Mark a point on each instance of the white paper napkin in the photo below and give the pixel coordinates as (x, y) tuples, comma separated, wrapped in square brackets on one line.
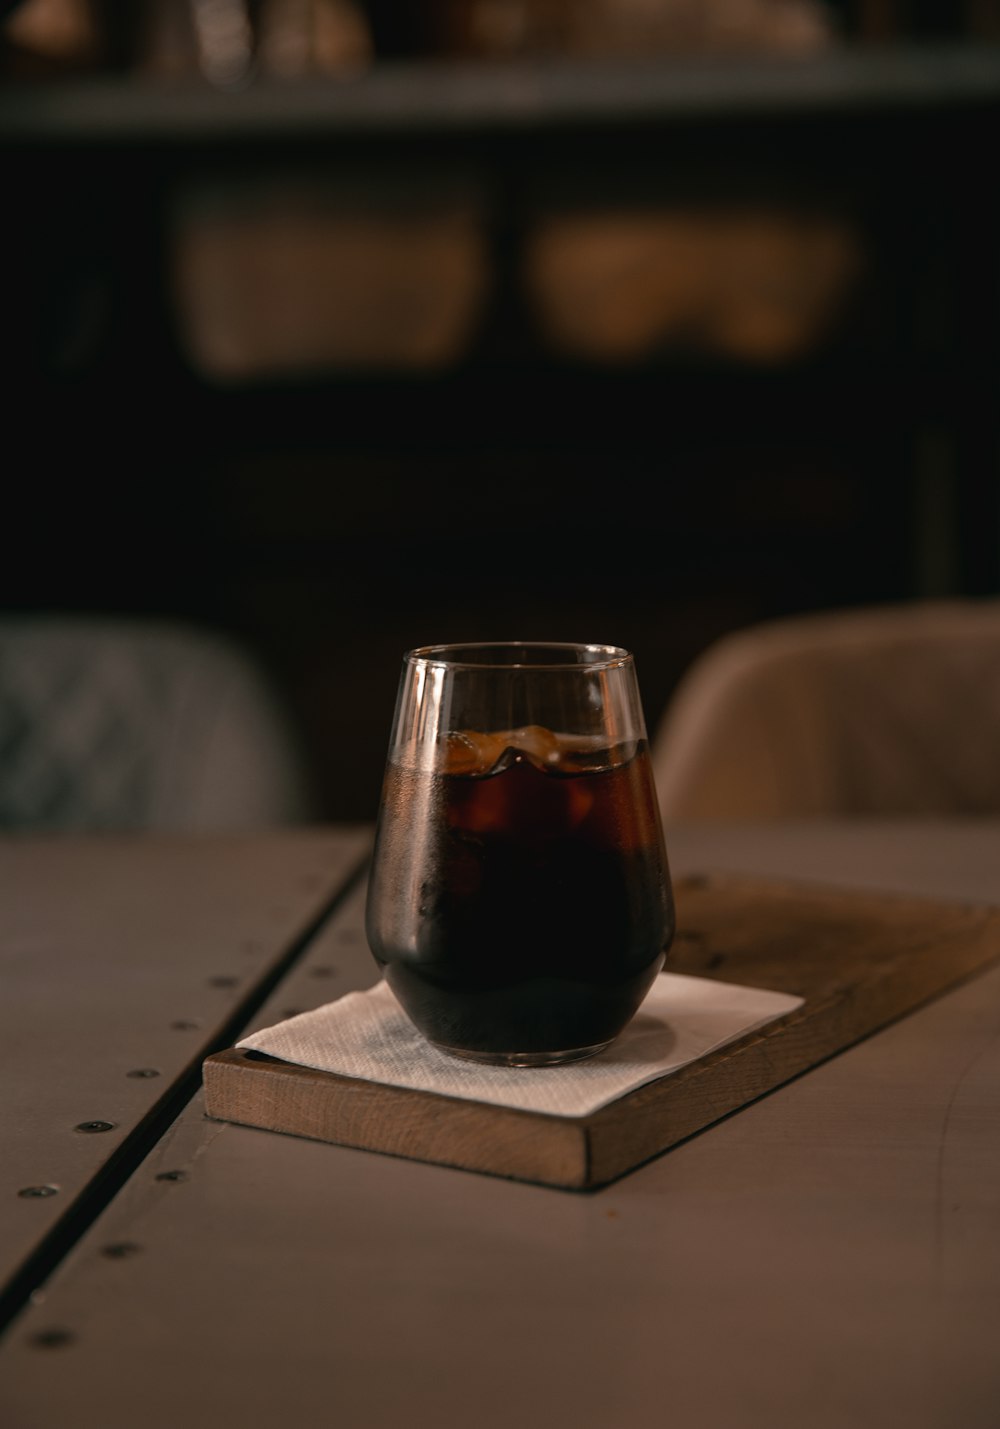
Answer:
[(367, 1035)]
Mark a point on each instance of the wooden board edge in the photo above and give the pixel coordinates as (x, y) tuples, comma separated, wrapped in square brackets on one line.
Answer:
[(657, 1118), (397, 1121)]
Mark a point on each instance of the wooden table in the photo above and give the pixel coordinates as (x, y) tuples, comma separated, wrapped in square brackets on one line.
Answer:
[(828, 1257)]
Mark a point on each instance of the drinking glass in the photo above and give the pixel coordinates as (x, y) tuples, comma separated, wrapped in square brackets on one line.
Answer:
[(520, 902)]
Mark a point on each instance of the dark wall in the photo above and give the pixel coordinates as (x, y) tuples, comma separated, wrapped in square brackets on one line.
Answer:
[(335, 519)]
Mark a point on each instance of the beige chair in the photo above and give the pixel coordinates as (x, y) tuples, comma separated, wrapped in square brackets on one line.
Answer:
[(891, 710), (140, 725)]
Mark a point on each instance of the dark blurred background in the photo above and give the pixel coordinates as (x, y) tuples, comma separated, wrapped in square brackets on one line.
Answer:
[(342, 328)]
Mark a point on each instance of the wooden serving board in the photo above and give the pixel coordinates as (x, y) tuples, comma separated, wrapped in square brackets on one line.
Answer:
[(859, 961)]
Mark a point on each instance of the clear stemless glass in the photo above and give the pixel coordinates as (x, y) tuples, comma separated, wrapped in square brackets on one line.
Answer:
[(520, 902)]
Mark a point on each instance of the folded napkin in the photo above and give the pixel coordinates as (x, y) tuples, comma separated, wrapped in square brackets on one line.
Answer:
[(367, 1035)]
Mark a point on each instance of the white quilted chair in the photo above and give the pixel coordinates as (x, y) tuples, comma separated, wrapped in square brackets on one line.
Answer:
[(887, 710), (136, 725)]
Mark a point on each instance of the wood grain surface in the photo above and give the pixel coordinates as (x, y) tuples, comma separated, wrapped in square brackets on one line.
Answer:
[(859, 960)]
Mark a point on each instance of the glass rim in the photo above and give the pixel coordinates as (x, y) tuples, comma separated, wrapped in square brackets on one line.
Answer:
[(450, 656)]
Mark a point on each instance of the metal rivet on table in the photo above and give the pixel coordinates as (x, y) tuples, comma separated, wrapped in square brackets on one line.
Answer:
[(143, 1072), (95, 1126), (695, 880), (53, 1339), (121, 1250), (171, 1175), (36, 1192)]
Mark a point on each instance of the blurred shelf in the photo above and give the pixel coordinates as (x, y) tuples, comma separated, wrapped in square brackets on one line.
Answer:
[(412, 99)]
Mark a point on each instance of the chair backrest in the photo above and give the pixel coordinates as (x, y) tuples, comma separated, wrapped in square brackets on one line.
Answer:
[(116, 725), (886, 710)]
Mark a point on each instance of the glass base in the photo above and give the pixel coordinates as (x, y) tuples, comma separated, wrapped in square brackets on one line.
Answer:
[(524, 1059)]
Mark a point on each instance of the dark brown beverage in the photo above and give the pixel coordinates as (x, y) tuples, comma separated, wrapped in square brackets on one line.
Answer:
[(521, 897)]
